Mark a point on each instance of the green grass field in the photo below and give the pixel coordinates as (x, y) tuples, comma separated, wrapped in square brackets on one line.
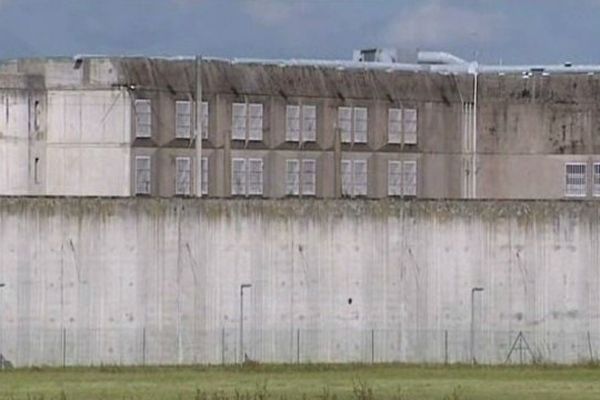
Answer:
[(326, 382)]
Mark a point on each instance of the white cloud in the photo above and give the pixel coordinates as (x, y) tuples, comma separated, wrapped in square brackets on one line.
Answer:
[(438, 24), (272, 12)]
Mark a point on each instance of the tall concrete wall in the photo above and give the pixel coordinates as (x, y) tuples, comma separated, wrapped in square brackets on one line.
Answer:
[(158, 281)]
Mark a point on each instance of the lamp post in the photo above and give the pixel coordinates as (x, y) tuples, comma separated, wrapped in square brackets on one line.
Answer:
[(473, 290), (242, 287)]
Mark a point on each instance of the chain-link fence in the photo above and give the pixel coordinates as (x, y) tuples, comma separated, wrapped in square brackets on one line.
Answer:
[(153, 346)]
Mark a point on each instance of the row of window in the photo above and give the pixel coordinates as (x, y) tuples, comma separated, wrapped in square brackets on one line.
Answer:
[(301, 177), (301, 122), (576, 179)]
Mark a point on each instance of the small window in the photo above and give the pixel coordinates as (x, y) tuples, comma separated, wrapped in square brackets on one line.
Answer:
[(183, 119), (143, 118), (36, 170), (183, 176), (309, 177), (204, 120), (36, 115), (292, 187), (142, 175), (238, 123), (204, 182), (354, 177), (596, 179), (576, 185)]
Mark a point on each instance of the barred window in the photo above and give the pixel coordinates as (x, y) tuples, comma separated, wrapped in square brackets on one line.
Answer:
[(142, 175), (402, 126), (409, 178), (353, 124), (576, 185), (309, 177), (183, 119), (309, 123), (238, 121), (409, 122), (292, 133), (204, 120), (183, 176), (345, 124), (394, 178), (596, 179), (292, 178), (354, 177), (204, 182), (360, 125), (143, 118), (255, 176), (238, 176), (395, 125)]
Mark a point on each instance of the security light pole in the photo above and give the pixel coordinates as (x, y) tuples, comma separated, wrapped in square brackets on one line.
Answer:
[(242, 287), (473, 290)]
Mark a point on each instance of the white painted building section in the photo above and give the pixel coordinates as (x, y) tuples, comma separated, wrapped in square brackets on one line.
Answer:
[(89, 143), (137, 281)]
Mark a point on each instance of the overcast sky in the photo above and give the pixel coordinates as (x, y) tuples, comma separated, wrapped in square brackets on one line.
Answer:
[(491, 31)]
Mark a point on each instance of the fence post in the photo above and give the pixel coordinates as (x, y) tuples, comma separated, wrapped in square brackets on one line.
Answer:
[(445, 346), (222, 345), (143, 346), (297, 346), (64, 347), (372, 346)]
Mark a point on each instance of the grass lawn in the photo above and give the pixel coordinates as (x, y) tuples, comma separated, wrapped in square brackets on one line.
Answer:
[(325, 382)]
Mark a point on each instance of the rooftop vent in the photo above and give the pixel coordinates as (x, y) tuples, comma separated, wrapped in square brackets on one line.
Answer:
[(375, 55)]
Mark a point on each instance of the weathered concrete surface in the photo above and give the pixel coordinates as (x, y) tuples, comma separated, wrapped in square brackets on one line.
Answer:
[(157, 281)]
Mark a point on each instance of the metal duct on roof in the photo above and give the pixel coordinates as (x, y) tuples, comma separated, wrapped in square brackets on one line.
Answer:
[(438, 57)]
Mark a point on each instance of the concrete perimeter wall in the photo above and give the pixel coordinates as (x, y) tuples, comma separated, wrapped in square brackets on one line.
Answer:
[(132, 281)]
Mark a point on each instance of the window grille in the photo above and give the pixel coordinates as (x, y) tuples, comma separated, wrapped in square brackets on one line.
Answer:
[(596, 179), (292, 123), (238, 123), (255, 176), (409, 178), (183, 176), (309, 177), (309, 124), (395, 125), (354, 177), (576, 184), (183, 119), (142, 175), (238, 176), (204, 106), (256, 122), (204, 182), (394, 178), (143, 118), (360, 125), (293, 178), (345, 124), (346, 172), (409, 120)]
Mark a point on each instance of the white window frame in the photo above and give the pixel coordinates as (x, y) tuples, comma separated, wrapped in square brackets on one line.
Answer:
[(301, 123), (573, 188), (596, 179), (354, 182), (143, 118), (247, 123), (251, 183), (138, 171), (204, 171), (394, 178), (353, 124), (402, 125), (183, 177), (410, 175), (308, 177), (183, 119)]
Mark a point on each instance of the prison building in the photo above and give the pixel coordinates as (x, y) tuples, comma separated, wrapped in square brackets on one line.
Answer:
[(206, 127)]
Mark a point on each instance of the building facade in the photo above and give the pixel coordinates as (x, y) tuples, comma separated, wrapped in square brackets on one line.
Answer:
[(102, 126)]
